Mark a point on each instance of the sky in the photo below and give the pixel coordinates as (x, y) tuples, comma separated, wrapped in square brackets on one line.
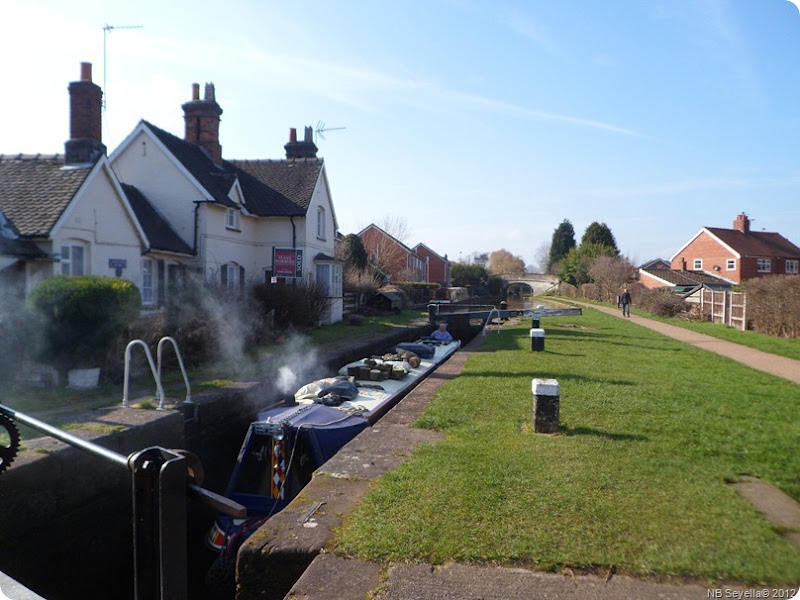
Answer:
[(477, 124)]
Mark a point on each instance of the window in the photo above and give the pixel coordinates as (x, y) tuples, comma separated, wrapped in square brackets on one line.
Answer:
[(232, 276), (232, 219), (329, 278), (698, 264), (731, 264), (320, 223), (148, 282), (793, 266), (764, 265), (72, 260)]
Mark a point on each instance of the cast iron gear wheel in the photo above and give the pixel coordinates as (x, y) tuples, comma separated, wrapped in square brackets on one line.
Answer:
[(8, 429)]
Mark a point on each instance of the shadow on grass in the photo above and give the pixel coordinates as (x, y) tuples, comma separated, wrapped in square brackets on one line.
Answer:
[(550, 375), (619, 437)]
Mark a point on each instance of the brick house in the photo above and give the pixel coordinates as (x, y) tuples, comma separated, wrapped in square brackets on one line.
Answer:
[(392, 257), (737, 254), (438, 266)]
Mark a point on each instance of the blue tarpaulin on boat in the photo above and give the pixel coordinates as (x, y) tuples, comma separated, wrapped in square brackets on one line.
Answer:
[(326, 429)]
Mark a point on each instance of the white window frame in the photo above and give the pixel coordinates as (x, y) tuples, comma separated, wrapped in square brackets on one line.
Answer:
[(792, 266), (232, 219), (148, 282), (320, 223), (697, 264), (71, 264), (730, 264), (764, 265), (232, 279), (329, 277)]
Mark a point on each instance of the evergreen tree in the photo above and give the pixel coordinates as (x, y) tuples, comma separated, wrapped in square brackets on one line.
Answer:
[(354, 253), (563, 241), (600, 234)]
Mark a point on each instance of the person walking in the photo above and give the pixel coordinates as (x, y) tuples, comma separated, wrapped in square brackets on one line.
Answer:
[(625, 301)]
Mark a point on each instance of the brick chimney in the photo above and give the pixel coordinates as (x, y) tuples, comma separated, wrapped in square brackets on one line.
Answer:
[(202, 121), (742, 223), (305, 149), (85, 122)]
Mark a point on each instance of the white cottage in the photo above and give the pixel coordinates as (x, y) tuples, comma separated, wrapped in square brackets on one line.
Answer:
[(241, 220), (67, 214)]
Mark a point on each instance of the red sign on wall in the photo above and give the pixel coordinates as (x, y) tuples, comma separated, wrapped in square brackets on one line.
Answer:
[(287, 262)]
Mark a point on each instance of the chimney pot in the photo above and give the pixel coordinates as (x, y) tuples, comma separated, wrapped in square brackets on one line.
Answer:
[(305, 149), (209, 95), (201, 119), (742, 223), (86, 71)]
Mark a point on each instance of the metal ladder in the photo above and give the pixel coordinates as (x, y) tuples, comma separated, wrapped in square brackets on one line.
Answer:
[(155, 370)]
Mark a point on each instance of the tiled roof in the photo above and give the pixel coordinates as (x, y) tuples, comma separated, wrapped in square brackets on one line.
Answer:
[(756, 243), (159, 233), (36, 189), (272, 188), (684, 277), (217, 180), (278, 188)]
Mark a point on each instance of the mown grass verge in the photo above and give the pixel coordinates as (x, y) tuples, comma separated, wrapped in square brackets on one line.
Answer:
[(652, 432)]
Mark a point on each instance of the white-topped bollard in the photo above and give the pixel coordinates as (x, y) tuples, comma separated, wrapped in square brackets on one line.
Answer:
[(537, 340), (546, 401)]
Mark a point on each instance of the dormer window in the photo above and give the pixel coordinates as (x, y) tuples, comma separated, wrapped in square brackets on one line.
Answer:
[(232, 219)]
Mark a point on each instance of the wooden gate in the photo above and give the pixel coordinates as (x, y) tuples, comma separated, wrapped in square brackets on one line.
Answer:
[(729, 308)]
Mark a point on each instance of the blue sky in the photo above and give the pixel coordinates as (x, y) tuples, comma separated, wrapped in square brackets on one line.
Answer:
[(479, 124)]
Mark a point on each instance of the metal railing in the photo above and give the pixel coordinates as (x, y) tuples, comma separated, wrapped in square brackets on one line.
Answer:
[(154, 369), (161, 482)]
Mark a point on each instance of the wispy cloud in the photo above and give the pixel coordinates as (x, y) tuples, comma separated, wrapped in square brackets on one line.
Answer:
[(528, 28), (691, 185), (360, 86)]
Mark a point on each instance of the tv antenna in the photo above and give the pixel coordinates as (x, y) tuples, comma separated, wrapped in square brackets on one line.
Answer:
[(106, 29), (321, 129)]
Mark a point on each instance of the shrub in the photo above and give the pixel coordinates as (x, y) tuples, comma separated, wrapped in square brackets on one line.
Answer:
[(772, 305), (660, 302), (301, 306), (82, 317)]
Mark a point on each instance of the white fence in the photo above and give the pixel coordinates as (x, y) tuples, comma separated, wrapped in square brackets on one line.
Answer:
[(729, 308)]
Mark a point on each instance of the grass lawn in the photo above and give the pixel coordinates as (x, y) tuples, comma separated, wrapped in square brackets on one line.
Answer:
[(652, 432)]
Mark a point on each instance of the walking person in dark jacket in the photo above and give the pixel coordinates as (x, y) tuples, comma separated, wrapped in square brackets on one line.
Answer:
[(625, 301)]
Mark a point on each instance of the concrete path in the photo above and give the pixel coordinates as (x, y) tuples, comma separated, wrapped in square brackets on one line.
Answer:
[(332, 577)]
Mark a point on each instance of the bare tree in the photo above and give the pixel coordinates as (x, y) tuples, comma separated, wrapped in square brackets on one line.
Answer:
[(502, 261), (542, 258), (610, 274), (395, 226)]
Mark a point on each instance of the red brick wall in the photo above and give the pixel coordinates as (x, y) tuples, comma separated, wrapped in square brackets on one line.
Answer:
[(394, 257), (437, 271), (712, 253)]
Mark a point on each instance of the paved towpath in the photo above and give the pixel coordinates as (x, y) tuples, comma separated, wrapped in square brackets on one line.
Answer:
[(781, 366)]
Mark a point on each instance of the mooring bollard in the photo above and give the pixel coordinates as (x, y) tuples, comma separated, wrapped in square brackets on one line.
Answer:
[(545, 405), (537, 340)]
